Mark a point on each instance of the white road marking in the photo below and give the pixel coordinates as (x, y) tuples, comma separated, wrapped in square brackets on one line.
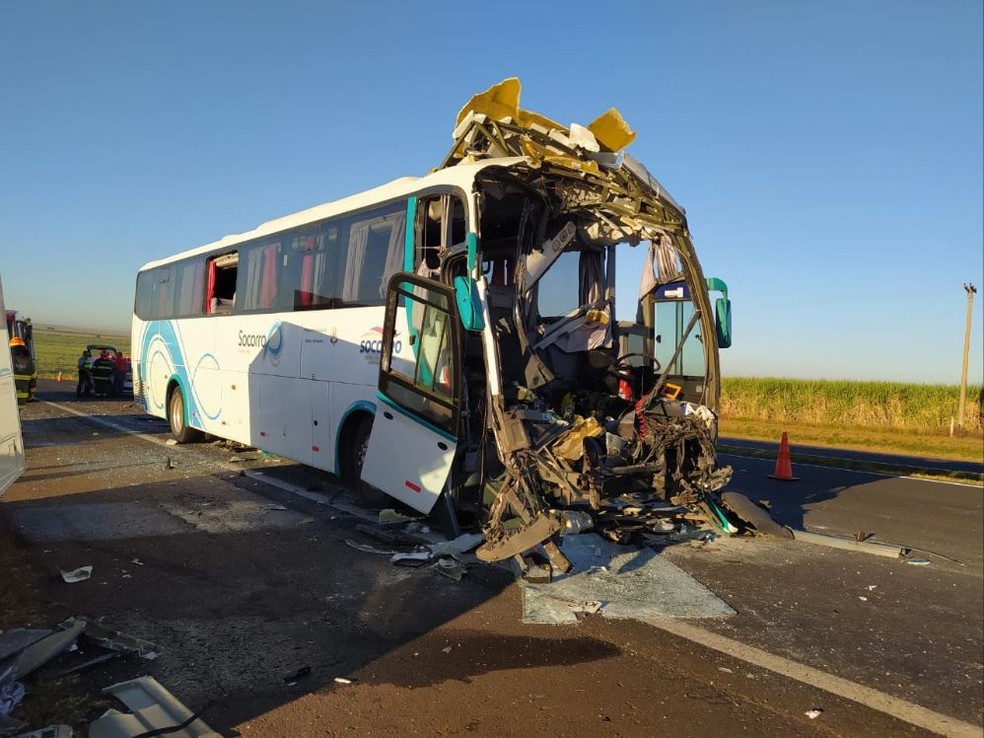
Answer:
[(252, 474), (906, 711), (897, 708)]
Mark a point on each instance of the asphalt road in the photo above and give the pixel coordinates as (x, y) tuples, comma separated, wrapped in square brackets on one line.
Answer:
[(871, 457), (242, 583)]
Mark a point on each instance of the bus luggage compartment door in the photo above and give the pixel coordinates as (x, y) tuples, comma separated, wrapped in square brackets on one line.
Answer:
[(413, 440)]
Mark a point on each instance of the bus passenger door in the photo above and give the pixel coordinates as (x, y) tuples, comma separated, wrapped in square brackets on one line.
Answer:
[(414, 434)]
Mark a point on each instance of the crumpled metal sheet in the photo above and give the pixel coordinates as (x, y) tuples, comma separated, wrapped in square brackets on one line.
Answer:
[(43, 651), (152, 708)]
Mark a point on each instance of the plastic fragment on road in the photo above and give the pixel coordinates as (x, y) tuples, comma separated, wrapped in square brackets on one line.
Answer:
[(291, 679), (76, 575), (814, 713), (16, 640), (389, 516), (342, 680), (451, 568), (460, 545), (101, 659), (916, 561), (40, 653), (411, 558), (152, 708), (888, 550), (114, 640), (366, 548)]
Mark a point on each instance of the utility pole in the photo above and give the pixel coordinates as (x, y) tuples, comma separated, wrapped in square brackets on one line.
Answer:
[(971, 291)]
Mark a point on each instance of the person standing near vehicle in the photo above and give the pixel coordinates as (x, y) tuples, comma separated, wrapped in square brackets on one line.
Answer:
[(119, 373), (102, 375), (84, 386)]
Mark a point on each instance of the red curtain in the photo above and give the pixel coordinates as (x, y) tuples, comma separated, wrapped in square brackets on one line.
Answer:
[(307, 280), (210, 287)]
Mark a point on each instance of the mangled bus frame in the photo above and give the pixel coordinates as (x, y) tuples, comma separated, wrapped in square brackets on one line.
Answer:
[(560, 425)]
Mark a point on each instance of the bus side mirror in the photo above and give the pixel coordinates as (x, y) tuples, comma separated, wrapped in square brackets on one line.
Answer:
[(722, 311), (722, 322), (466, 295)]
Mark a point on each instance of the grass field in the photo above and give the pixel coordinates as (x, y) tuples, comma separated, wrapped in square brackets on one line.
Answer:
[(879, 416), (59, 350)]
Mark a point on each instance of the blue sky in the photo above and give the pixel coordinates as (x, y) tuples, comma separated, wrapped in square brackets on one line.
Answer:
[(829, 154)]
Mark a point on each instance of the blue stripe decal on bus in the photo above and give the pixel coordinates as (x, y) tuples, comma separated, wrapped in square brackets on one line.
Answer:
[(416, 418), (165, 332)]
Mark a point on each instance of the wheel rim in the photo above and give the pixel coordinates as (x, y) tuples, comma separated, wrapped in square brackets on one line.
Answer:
[(177, 412)]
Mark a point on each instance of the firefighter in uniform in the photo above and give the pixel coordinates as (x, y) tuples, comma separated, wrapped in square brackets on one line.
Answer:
[(102, 375), (23, 366), (85, 374)]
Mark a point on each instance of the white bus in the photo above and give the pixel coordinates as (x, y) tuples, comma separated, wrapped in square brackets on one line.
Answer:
[(451, 340)]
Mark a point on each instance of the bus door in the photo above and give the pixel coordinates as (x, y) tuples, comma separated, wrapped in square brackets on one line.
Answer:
[(414, 434), (11, 444)]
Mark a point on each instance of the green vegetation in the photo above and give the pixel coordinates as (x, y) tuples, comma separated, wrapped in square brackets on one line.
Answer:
[(59, 350), (880, 416)]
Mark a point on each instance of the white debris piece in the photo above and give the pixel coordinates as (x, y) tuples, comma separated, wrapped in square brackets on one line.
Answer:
[(77, 575)]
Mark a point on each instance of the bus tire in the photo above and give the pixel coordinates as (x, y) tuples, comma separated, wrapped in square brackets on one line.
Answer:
[(354, 455), (176, 418)]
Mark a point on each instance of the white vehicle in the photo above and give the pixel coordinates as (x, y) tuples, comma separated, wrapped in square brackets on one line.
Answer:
[(11, 444), (451, 339)]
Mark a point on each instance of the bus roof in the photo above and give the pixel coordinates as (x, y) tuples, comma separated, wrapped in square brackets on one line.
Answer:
[(461, 176)]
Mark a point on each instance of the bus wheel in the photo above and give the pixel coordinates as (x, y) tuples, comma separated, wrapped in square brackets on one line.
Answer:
[(353, 457), (176, 419)]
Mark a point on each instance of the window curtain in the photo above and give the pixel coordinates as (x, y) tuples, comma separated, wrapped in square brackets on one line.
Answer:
[(394, 251), (210, 287), (254, 273), (268, 288), (357, 247), (307, 280), (662, 264)]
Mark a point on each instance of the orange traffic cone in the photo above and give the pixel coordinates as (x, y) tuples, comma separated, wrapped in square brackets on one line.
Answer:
[(784, 467)]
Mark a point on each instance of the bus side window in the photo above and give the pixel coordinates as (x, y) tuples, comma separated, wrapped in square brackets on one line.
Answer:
[(220, 284)]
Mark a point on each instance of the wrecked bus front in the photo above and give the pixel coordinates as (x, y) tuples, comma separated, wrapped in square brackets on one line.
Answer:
[(564, 417)]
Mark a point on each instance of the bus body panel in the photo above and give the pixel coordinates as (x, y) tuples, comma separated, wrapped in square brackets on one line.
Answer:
[(407, 459), (11, 443)]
